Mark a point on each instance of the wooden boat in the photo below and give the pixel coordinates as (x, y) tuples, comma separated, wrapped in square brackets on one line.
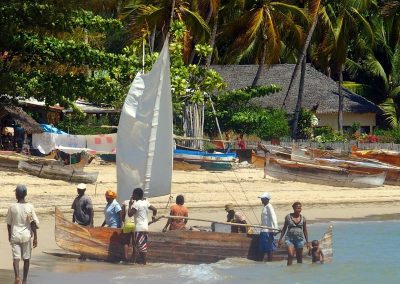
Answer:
[(320, 174), (202, 156), (10, 159), (355, 164), (191, 247), (385, 156), (58, 172), (147, 117)]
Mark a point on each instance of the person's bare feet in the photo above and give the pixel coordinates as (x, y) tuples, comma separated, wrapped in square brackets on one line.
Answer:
[(17, 281)]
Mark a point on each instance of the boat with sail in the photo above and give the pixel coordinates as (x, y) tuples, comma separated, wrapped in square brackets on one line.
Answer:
[(144, 159)]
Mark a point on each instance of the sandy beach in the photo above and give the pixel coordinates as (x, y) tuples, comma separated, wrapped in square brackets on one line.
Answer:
[(205, 193)]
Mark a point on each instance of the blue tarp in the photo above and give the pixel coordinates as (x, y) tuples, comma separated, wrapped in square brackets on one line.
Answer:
[(51, 129)]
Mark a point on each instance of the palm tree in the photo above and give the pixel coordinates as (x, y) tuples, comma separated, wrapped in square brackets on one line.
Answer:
[(348, 24), (146, 17), (313, 8), (259, 31), (377, 69)]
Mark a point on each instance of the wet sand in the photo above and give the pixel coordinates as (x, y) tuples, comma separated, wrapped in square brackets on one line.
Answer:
[(205, 193)]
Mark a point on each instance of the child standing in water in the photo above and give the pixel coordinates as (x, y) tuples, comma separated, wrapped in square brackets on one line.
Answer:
[(316, 253)]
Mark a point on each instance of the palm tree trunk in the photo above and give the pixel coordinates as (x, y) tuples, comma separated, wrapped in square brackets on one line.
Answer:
[(340, 112), (299, 98), (212, 40), (260, 66), (300, 59)]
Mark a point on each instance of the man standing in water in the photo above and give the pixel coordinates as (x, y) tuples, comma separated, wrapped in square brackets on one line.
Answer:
[(22, 223), (268, 219), (83, 207), (139, 208)]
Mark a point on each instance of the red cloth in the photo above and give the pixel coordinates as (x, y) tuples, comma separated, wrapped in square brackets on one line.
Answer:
[(178, 210), (242, 145)]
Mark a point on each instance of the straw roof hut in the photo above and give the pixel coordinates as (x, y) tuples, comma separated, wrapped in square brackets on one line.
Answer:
[(20, 117), (319, 90)]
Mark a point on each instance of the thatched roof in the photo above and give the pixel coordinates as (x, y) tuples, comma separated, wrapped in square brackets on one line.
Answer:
[(318, 89), (22, 118)]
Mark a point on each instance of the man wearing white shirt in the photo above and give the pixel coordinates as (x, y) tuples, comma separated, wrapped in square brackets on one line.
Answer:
[(268, 219)]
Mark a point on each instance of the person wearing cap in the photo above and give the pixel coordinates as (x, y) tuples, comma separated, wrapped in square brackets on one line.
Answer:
[(177, 209), (139, 208), (22, 223), (268, 219), (235, 217), (82, 207), (112, 211)]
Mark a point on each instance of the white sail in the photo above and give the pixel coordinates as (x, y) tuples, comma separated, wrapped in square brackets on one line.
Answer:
[(144, 139)]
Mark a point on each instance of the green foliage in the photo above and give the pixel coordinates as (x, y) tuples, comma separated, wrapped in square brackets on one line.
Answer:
[(304, 129), (45, 56), (190, 84), (78, 124), (389, 135), (326, 134), (236, 111)]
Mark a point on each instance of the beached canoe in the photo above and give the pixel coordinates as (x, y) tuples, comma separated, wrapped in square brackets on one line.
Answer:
[(355, 164), (10, 159), (202, 156), (189, 247), (385, 156), (320, 174), (58, 172)]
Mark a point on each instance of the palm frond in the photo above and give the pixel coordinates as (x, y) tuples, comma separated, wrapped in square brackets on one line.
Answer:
[(196, 24), (390, 112)]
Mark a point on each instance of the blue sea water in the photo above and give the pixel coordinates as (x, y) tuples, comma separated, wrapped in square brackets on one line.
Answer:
[(364, 252)]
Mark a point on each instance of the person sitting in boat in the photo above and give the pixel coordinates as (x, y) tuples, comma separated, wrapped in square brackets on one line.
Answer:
[(235, 217), (139, 207), (127, 229), (82, 207), (241, 142), (296, 234), (112, 211), (177, 210), (268, 219), (316, 253)]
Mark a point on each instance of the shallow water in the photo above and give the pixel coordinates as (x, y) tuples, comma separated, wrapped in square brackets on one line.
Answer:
[(364, 252)]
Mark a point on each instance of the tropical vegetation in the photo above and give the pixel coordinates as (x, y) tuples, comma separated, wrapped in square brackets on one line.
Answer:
[(58, 51)]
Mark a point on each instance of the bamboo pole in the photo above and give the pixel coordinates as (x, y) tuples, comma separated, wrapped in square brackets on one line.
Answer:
[(220, 222)]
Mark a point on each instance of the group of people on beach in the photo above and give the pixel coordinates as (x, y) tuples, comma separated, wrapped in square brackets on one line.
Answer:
[(132, 217), (294, 231)]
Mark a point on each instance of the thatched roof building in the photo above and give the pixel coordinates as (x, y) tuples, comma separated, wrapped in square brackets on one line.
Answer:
[(20, 117), (319, 89)]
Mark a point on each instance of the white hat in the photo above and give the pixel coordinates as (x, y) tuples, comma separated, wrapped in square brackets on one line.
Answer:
[(81, 186), (265, 195)]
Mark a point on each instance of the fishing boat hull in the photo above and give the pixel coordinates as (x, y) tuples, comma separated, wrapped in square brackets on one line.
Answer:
[(319, 174), (58, 172), (355, 164), (389, 157), (189, 247), (201, 156), (10, 159)]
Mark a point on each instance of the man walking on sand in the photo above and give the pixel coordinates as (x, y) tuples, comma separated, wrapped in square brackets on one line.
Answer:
[(268, 219), (22, 223)]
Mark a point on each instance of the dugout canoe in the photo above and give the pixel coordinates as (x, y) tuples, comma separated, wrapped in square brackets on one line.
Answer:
[(58, 172), (185, 247), (10, 159), (320, 174), (385, 156), (355, 164)]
